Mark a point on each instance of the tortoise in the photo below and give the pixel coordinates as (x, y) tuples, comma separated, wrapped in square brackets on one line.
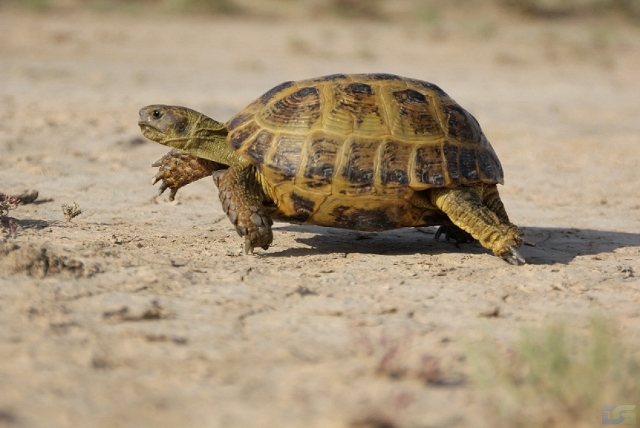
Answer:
[(367, 152)]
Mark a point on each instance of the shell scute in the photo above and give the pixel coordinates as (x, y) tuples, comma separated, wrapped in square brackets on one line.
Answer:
[(273, 92), (239, 120), (459, 124), (258, 146), (368, 219), (303, 207), (395, 158), (376, 137), (355, 109), (429, 166), (486, 166), (330, 78), (421, 85), (452, 162), (416, 114), (286, 156), (241, 137), (384, 76), (357, 173), (358, 88), (322, 153), (468, 166), (297, 111)]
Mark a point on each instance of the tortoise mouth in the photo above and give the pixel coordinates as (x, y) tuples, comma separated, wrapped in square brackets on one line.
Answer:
[(150, 131), (145, 125)]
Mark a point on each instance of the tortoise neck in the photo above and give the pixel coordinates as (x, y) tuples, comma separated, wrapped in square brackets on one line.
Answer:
[(217, 150), (208, 140)]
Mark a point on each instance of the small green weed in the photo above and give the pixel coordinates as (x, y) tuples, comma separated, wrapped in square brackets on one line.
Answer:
[(556, 377)]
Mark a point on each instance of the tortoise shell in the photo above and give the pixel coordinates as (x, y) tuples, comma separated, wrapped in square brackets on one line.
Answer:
[(351, 150)]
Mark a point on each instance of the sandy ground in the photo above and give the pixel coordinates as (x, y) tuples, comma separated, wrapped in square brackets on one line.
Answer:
[(144, 313)]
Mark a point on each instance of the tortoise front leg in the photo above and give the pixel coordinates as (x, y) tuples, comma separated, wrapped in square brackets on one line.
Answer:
[(177, 169), (241, 198), (465, 208)]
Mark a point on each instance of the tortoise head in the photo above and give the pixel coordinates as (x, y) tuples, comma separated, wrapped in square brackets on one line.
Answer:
[(184, 129)]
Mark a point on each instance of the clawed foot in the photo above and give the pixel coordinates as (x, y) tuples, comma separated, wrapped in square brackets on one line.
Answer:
[(251, 221), (177, 169), (256, 230), (513, 256), (166, 183), (507, 247), (508, 250)]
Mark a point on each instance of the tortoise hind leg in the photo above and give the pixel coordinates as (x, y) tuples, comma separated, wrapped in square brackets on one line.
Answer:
[(491, 198), (242, 198), (483, 216), (453, 233)]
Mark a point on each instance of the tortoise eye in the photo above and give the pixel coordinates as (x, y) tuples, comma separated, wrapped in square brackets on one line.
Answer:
[(157, 114)]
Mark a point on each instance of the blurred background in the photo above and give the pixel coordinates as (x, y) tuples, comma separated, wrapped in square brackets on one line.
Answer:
[(269, 340), (386, 10)]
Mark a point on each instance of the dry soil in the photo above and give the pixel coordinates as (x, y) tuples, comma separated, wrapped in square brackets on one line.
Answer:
[(144, 313)]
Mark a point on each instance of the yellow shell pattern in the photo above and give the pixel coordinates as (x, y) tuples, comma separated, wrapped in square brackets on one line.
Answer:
[(351, 150)]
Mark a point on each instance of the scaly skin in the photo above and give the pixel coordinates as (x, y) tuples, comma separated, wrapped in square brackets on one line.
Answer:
[(466, 208), (241, 199), (491, 199), (203, 150), (177, 169)]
